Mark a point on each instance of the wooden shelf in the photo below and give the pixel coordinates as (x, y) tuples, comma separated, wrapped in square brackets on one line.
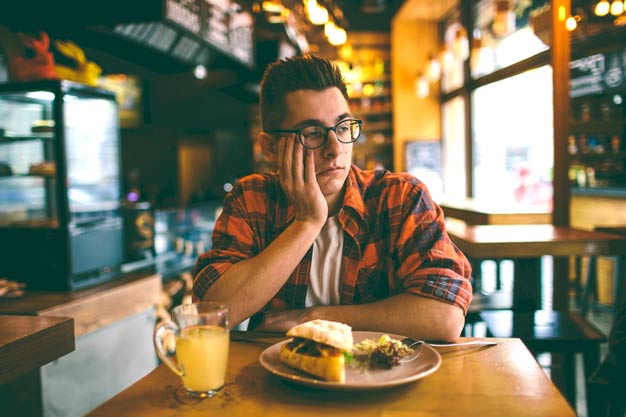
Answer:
[(17, 176), (383, 126), (597, 156), (369, 147), (363, 112), (615, 127), (375, 109), (385, 78), (386, 93)]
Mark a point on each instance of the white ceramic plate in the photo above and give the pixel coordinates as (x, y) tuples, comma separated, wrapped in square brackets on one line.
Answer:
[(425, 364)]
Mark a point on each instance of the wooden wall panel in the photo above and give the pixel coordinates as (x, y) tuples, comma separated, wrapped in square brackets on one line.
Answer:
[(412, 41), (589, 212)]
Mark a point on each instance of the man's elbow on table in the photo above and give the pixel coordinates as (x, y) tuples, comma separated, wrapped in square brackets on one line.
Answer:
[(441, 321)]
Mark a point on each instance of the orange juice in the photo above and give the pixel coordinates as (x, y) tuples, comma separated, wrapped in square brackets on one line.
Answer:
[(202, 352)]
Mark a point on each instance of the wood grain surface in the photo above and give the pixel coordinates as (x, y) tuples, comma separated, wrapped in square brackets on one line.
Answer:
[(27, 343), (475, 212), (519, 241), (489, 381)]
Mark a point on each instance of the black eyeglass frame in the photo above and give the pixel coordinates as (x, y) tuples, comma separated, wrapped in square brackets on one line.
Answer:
[(326, 132)]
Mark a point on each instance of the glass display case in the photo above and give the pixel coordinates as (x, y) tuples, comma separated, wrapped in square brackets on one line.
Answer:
[(60, 186)]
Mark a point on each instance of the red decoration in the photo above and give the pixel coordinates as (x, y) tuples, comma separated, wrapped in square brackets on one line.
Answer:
[(40, 66)]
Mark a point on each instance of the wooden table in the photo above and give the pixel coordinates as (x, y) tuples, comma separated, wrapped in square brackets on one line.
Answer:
[(487, 381), (476, 212), (525, 244)]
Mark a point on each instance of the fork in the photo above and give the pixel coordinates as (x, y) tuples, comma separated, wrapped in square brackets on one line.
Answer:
[(417, 344), (410, 342)]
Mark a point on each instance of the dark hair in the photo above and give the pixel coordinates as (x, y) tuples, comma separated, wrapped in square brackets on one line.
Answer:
[(282, 77)]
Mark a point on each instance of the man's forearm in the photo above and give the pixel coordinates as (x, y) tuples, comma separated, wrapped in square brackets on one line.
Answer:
[(405, 314), (248, 285)]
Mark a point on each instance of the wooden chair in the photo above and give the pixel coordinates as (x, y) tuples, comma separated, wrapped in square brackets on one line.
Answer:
[(587, 294), (553, 332)]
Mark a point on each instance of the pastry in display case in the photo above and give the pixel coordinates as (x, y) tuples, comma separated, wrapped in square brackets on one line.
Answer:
[(60, 187)]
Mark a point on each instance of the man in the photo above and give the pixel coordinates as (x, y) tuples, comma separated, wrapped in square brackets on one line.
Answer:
[(321, 238)]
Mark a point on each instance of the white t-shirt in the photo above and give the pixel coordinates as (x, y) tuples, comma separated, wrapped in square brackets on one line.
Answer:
[(325, 277)]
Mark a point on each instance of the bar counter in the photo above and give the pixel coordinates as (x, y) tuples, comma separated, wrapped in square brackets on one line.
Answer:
[(91, 308), (26, 343), (64, 353)]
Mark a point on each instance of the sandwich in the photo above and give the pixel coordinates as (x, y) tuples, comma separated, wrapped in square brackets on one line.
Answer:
[(317, 348)]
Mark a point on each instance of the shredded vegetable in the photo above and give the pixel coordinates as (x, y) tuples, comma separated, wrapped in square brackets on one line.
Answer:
[(383, 352)]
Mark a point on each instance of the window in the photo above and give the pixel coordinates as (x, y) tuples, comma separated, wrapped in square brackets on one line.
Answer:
[(513, 146), (453, 130)]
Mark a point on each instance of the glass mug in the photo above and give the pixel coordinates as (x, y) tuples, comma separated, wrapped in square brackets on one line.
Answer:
[(200, 333)]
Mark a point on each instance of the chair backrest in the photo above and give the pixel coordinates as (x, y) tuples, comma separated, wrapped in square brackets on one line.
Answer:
[(606, 384), (617, 340)]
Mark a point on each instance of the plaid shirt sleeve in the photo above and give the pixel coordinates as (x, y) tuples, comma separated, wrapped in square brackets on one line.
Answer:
[(236, 235), (428, 262)]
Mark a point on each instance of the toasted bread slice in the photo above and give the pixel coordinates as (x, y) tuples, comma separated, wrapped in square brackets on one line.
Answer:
[(331, 333), (329, 368)]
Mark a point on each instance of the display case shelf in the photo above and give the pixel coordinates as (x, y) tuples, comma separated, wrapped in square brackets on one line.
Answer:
[(10, 139), (18, 176), (60, 184)]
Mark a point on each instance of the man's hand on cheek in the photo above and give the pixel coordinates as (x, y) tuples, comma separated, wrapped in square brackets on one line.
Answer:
[(296, 166)]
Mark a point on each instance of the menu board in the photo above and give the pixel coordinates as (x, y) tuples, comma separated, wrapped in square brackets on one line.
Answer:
[(598, 74), (224, 24), (423, 156)]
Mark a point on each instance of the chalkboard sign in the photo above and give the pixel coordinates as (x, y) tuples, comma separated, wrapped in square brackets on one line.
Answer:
[(424, 154), (185, 13), (423, 160), (598, 74), (223, 24)]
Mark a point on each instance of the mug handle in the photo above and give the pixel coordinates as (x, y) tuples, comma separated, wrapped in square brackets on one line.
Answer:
[(160, 332)]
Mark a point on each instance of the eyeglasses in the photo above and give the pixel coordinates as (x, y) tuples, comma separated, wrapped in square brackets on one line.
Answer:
[(313, 137)]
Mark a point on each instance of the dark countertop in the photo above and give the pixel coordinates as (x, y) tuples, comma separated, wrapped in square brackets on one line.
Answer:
[(599, 192)]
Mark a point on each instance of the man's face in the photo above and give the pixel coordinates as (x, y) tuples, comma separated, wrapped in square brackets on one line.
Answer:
[(323, 108)]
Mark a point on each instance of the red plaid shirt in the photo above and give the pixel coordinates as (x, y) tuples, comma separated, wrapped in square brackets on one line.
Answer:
[(395, 240)]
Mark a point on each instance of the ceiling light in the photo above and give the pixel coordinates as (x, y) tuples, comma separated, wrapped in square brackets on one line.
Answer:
[(570, 23), (422, 88), (433, 71), (602, 8), (338, 37), (200, 72), (504, 20), (272, 7), (318, 15), (329, 28), (461, 44), (617, 7), (446, 57)]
